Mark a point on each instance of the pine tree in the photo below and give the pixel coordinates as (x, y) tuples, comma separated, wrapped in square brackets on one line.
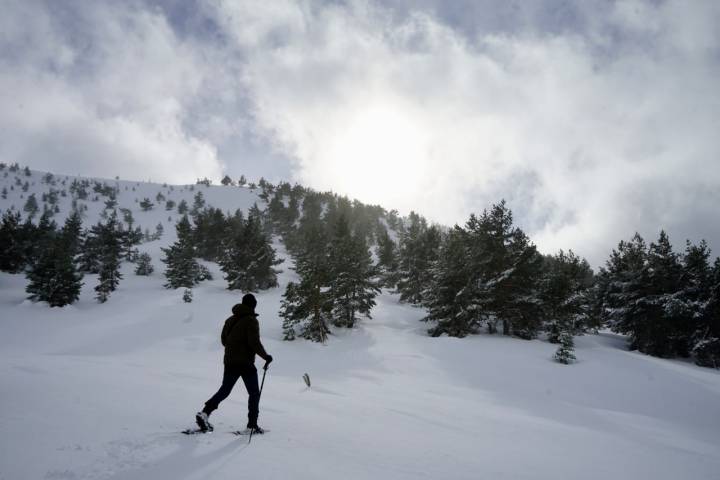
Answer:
[(54, 277), (564, 294), (310, 220), (507, 271), (672, 330), (29, 240), (109, 275), (305, 307), (276, 211), (182, 268), (566, 351), (209, 233), (447, 298), (706, 348), (36, 238), (146, 204), (624, 286), (97, 241), (419, 246), (182, 207), (352, 285), (387, 258), (643, 296), (72, 233), (159, 229), (249, 259), (187, 296), (198, 204), (12, 253), (144, 265), (31, 206)]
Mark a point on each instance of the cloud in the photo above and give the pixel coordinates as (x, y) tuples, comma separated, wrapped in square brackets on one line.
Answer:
[(100, 91), (593, 120), (589, 134)]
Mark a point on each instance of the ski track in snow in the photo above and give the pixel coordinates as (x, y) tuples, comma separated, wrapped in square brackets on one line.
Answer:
[(95, 391)]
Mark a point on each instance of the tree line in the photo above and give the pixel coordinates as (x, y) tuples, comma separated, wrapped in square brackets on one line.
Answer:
[(483, 276), (487, 275)]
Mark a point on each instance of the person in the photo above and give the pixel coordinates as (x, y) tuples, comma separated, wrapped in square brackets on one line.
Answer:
[(241, 338)]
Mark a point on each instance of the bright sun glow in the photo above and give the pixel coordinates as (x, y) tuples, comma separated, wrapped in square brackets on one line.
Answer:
[(378, 155)]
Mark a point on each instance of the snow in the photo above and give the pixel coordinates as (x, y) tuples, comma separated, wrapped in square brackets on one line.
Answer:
[(101, 391)]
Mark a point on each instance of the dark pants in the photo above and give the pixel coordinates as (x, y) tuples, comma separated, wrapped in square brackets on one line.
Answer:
[(230, 376)]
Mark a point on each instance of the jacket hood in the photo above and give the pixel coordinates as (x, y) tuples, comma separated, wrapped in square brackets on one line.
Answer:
[(240, 310)]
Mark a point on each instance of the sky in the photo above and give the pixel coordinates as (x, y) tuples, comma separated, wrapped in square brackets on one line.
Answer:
[(593, 119)]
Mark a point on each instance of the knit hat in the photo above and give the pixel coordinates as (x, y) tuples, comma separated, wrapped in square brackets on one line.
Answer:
[(249, 300)]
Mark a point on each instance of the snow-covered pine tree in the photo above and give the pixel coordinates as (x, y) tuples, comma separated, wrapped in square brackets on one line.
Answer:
[(159, 229), (28, 236), (353, 286), (110, 250), (187, 295), (564, 293), (36, 237), (447, 298), (209, 232), (387, 256), (623, 283), (261, 256), (31, 206), (566, 351), (668, 329), (182, 268), (72, 234), (54, 277), (144, 265), (311, 220), (706, 348), (198, 204), (249, 258), (419, 246), (182, 207), (507, 268), (12, 254), (146, 204), (93, 247), (277, 216), (696, 291), (305, 307)]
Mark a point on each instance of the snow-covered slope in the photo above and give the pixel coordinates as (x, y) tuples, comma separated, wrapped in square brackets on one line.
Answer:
[(102, 391)]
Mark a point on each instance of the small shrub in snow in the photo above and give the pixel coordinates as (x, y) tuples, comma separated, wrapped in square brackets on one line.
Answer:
[(144, 265), (187, 296), (566, 351), (146, 204)]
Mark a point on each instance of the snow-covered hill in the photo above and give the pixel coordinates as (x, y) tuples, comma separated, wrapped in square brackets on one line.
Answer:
[(95, 391)]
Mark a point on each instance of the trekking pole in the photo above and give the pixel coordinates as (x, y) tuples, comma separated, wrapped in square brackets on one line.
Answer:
[(260, 395)]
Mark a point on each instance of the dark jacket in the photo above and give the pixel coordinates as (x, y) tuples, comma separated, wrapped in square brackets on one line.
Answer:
[(241, 337)]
